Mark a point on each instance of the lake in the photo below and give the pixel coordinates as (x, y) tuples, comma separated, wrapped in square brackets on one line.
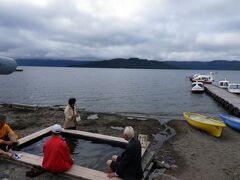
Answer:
[(146, 91)]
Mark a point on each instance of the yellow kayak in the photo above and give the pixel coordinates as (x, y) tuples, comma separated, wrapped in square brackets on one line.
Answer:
[(211, 126)]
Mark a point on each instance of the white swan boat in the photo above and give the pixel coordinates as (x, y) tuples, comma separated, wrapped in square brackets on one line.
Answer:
[(197, 87), (203, 78)]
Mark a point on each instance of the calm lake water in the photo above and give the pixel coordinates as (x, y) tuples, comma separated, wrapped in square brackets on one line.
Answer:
[(157, 92)]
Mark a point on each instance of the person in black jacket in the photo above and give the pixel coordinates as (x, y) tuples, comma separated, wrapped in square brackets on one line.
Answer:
[(128, 165)]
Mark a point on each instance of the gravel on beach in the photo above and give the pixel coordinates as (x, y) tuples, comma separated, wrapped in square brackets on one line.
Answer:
[(190, 154)]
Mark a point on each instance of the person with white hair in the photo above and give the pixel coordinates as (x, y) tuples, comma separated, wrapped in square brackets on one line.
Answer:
[(128, 165)]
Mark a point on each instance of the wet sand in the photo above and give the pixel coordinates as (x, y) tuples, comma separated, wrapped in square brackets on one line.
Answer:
[(196, 154)]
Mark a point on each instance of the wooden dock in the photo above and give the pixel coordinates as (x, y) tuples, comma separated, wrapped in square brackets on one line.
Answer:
[(229, 101)]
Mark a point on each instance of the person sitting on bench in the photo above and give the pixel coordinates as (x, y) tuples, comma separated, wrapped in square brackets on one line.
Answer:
[(56, 154), (8, 138), (128, 165)]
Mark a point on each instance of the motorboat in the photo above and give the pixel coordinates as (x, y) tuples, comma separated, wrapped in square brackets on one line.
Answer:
[(211, 126), (19, 69), (223, 84), (209, 79), (234, 88), (197, 87), (231, 121)]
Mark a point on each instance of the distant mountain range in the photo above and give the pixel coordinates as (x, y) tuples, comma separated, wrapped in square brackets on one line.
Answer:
[(134, 63), (49, 62), (212, 65), (131, 63)]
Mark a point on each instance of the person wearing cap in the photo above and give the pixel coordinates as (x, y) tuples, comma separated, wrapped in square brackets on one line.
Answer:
[(7, 136), (70, 115), (128, 165), (56, 154)]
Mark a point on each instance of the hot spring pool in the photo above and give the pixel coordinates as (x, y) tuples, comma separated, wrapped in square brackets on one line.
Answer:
[(86, 153)]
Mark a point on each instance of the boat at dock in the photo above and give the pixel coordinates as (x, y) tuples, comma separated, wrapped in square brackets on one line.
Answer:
[(234, 88), (19, 69), (211, 126), (231, 121), (208, 79), (223, 84), (197, 87)]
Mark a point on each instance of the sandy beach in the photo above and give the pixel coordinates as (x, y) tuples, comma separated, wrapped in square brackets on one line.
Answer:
[(201, 156), (193, 153)]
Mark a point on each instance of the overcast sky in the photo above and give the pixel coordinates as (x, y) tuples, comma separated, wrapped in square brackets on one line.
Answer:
[(103, 29)]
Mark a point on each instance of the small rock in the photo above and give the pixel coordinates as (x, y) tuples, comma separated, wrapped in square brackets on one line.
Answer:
[(130, 118), (161, 176), (117, 128), (80, 109), (174, 166), (168, 131), (92, 117), (162, 165), (159, 171), (156, 173), (4, 175), (142, 119)]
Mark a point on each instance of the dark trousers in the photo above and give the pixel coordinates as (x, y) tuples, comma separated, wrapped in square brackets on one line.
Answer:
[(4, 146), (71, 128)]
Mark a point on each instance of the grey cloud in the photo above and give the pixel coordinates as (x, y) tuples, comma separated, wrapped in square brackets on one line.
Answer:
[(161, 30)]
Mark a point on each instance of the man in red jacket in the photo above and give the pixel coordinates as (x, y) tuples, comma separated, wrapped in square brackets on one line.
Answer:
[(56, 153)]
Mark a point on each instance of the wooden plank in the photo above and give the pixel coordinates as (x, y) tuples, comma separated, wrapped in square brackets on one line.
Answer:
[(145, 148), (75, 171), (96, 136), (103, 137), (34, 135)]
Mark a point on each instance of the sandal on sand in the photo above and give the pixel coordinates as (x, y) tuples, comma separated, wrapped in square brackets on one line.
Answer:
[(34, 172)]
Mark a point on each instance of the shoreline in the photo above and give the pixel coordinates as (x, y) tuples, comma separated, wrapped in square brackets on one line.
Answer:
[(190, 154)]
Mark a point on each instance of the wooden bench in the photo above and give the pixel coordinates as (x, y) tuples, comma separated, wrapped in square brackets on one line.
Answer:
[(76, 171), (34, 135), (144, 142)]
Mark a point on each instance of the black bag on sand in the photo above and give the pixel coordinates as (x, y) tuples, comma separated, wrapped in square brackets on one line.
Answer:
[(35, 171)]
